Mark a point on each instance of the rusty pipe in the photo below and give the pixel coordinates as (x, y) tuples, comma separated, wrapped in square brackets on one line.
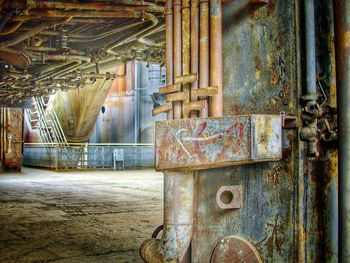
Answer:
[(66, 58), (186, 49), (216, 105), (169, 44), (75, 37), (87, 38), (194, 48), (11, 29), (204, 51), (97, 6), (178, 221), (34, 31), (177, 51), (52, 49), (139, 33), (309, 132), (342, 42), (107, 14)]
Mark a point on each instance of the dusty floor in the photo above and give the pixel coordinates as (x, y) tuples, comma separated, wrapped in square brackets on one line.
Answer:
[(77, 216)]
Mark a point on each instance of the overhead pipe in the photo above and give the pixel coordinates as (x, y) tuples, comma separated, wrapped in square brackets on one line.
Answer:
[(204, 51), (141, 37), (138, 33), (61, 69), (83, 14), (33, 32), (76, 37), (342, 43), (87, 38), (5, 19), (97, 6), (216, 105), (52, 49), (78, 58), (11, 29)]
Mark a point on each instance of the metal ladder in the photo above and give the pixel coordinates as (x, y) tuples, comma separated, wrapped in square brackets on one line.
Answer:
[(43, 118)]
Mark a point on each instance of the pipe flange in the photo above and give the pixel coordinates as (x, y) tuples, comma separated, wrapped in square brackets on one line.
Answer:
[(235, 249)]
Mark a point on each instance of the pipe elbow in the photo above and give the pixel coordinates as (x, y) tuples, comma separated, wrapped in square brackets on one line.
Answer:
[(150, 17), (171, 248), (178, 221)]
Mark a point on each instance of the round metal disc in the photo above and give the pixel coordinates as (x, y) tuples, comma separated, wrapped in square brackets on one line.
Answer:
[(233, 249)]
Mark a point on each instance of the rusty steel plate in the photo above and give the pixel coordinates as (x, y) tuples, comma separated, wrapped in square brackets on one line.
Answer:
[(235, 249), (195, 144)]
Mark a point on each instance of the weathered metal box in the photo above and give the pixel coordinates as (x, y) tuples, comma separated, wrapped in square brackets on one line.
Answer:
[(195, 144)]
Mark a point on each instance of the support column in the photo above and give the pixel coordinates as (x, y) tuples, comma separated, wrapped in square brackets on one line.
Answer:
[(342, 41)]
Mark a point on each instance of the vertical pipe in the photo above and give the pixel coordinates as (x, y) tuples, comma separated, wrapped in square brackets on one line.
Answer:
[(216, 105), (137, 101), (342, 41), (309, 131), (5, 133), (309, 10), (169, 58), (178, 213), (194, 47), (1, 135), (300, 163), (178, 187), (203, 49), (177, 51), (186, 47)]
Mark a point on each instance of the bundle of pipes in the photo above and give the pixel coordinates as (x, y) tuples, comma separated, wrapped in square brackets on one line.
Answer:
[(193, 49), (50, 39)]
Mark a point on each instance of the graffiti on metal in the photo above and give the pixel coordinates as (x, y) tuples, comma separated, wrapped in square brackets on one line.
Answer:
[(192, 144)]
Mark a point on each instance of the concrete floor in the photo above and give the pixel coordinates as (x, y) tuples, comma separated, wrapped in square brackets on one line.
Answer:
[(78, 216)]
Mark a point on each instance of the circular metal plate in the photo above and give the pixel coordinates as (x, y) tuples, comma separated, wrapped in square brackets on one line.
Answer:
[(233, 249)]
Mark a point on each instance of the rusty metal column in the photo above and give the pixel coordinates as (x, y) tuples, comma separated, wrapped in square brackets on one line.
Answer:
[(342, 41), (177, 52), (216, 105), (186, 49), (194, 47), (169, 42), (204, 50)]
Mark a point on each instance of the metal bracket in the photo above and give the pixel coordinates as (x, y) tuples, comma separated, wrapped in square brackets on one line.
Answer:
[(230, 197), (289, 121)]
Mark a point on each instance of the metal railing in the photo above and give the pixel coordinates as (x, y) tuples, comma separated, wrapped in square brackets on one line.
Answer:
[(86, 155)]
